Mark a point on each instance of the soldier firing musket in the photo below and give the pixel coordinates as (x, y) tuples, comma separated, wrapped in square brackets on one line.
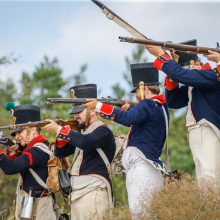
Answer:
[(80, 101), (169, 45), (28, 157)]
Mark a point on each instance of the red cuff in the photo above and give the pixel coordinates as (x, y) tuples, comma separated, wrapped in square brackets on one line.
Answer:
[(65, 130), (206, 67), (1, 151), (158, 63), (107, 117), (218, 68), (169, 84), (63, 137), (9, 156), (106, 109)]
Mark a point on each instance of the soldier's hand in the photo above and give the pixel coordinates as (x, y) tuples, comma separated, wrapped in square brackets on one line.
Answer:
[(91, 104), (52, 126), (126, 106), (12, 150), (155, 50), (213, 56)]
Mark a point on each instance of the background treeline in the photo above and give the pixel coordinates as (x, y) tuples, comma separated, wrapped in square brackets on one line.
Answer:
[(47, 80)]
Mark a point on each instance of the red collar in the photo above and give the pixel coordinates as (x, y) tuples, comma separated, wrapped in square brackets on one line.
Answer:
[(38, 139), (160, 98)]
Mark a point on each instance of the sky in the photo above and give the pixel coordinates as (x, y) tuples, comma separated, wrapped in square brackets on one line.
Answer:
[(77, 33)]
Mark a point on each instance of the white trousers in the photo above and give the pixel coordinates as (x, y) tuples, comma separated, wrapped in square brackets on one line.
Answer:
[(92, 206), (142, 181), (205, 147)]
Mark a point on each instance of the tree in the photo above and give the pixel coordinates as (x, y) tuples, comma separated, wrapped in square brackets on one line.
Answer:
[(118, 91), (80, 78), (137, 56), (26, 95), (8, 59), (47, 81)]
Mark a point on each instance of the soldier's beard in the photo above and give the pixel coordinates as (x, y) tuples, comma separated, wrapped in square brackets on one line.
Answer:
[(82, 125)]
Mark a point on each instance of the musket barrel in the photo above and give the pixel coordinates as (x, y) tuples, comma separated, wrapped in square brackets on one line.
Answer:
[(118, 20), (110, 101), (66, 100), (170, 46), (4, 127), (73, 124), (98, 3)]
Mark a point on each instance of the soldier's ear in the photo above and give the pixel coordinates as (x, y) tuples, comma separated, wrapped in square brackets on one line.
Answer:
[(35, 130)]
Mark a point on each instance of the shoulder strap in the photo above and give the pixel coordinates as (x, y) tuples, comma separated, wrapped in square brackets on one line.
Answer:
[(38, 179), (76, 154), (105, 159), (44, 148), (167, 159)]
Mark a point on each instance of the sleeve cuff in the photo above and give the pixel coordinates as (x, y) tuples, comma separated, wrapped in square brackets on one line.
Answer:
[(63, 137), (106, 109), (169, 84), (158, 63), (11, 156), (1, 151)]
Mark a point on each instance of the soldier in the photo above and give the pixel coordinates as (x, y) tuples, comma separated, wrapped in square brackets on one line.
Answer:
[(30, 161), (146, 137), (92, 195), (200, 92)]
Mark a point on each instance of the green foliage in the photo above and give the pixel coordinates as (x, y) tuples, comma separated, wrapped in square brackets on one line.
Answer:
[(136, 57), (27, 87), (180, 154), (119, 191), (7, 92), (79, 78), (118, 91), (8, 59)]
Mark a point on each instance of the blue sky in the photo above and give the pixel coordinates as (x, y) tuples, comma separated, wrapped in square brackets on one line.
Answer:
[(77, 32)]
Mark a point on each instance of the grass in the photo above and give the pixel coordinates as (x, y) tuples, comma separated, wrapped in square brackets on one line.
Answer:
[(180, 200)]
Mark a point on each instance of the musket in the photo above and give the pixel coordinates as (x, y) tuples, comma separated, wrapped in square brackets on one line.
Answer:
[(170, 46), (118, 20), (5, 140), (80, 101), (72, 123)]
